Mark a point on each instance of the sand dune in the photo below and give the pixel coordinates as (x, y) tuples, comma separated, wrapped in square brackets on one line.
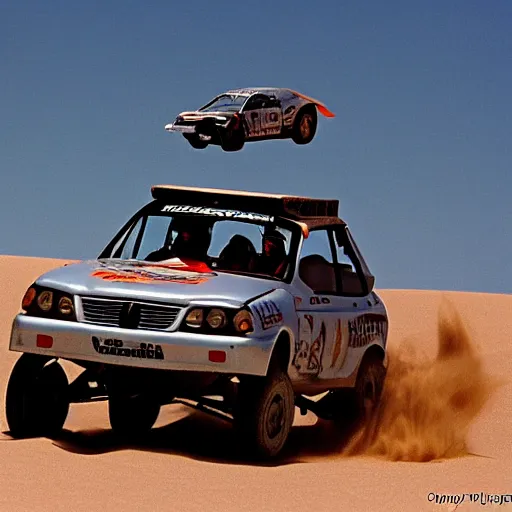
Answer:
[(447, 402)]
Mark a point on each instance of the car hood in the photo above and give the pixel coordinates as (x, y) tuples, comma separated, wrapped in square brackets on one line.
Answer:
[(147, 281), (198, 114)]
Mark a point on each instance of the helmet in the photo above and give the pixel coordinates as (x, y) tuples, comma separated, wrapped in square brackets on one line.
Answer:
[(192, 239), (274, 244)]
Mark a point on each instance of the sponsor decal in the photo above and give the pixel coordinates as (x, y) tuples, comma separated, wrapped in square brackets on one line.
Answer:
[(319, 300), (289, 110), (177, 272), (242, 92), (337, 344), (365, 329), (268, 313), (308, 354), (264, 132), (115, 347), (215, 212), (261, 123)]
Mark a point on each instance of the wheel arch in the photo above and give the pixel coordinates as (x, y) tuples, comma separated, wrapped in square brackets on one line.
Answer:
[(374, 351), (308, 106), (282, 351)]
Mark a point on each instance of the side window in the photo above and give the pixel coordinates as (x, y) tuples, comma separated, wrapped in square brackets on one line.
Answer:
[(273, 102), (124, 247), (352, 284), (154, 235), (258, 101), (316, 268)]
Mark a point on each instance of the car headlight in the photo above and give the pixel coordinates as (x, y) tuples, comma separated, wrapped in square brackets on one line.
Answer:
[(243, 322), (65, 306), (48, 303), (45, 300), (195, 318), (217, 319), (220, 321), (28, 298)]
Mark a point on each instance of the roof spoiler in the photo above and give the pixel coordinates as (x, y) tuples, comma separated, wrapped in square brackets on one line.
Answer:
[(319, 105)]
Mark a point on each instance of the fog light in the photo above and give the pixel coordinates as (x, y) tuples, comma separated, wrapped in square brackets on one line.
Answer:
[(216, 318), (195, 318), (217, 356), (45, 300), (66, 306), (243, 322), (44, 341)]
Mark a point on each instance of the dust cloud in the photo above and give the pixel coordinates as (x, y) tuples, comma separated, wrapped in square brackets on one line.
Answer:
[(427, 406)]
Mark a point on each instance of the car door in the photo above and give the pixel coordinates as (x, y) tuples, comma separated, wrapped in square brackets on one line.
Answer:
[(263, 116), (334, 307), (366, 323)]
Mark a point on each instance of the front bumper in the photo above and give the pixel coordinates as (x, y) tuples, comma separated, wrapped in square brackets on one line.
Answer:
[(180, 128), (140, 348)]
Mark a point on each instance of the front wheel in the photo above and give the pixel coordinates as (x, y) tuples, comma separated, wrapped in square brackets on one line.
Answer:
[(264, 413), (37, 402), (132, 415), (304, 126), (232, 138), (196, 142)]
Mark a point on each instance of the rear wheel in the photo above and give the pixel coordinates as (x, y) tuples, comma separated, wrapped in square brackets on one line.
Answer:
[(264, 413), (132, 415), (369, 386), (37, 402), (304, 126), (358, 404)]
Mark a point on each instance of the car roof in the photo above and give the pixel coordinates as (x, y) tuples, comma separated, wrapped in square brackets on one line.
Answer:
[(281, 92), (313, 212), (248, 91)]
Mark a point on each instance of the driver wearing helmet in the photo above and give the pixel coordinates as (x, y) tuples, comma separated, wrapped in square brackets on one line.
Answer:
[(274, 258), (190, 247)]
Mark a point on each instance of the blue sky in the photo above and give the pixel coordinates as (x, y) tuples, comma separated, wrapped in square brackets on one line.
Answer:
[(419, 154)]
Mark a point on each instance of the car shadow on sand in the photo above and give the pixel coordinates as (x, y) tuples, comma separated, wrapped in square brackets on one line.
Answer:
[(201, 437)]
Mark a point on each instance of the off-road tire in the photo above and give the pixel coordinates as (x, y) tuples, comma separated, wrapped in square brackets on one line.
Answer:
[(232, 139), (369, 385), (264, 414), (37, 401), (358, 404), (132, 416)]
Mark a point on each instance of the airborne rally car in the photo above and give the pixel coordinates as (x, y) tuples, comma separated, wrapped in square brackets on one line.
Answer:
[(240, 304), (244, 115)]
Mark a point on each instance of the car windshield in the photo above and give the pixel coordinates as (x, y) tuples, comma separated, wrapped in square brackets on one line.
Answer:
[(225, 103), (219, 240)]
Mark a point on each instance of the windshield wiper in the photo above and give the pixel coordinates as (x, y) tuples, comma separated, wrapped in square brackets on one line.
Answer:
[(250, 274)]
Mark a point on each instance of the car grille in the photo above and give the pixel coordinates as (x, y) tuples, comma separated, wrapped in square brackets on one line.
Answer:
[(128, 314)]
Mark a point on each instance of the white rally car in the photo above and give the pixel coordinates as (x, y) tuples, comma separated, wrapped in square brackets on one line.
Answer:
[(241, 304)]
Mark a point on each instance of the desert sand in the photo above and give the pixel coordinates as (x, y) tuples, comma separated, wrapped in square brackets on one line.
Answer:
[(444, 428)]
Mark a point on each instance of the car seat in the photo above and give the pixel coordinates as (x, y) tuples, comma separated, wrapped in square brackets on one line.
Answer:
[(318, 274)]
